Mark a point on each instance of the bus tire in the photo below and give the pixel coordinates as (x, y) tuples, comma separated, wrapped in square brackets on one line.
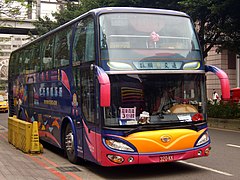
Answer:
[(69, 145)]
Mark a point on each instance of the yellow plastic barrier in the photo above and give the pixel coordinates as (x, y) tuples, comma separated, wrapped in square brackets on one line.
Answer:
[(24, 135), (13, 130)]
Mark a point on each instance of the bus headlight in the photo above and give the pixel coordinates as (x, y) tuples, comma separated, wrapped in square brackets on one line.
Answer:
[(119, 66), (118, 145), (203, 139), (191, 65)]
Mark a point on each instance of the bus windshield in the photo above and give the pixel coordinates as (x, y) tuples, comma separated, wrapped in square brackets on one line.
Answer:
[(132, 36), (159, 98)]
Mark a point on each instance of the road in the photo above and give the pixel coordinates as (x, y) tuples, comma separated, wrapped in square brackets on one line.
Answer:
[(223, 162)]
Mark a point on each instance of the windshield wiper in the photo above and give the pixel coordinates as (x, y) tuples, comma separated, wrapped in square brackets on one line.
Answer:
[(194, 126), (139, 128)]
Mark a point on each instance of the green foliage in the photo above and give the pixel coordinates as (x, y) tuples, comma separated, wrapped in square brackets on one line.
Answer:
[(8, 8), (70, 12), (44, 25), (217, 21), (229, 110)]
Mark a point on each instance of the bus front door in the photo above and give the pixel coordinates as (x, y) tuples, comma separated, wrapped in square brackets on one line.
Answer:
[(88, 108)]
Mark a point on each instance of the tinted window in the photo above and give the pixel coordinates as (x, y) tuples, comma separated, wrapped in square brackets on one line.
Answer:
[(62, 47), (83, 48), (47, 50)]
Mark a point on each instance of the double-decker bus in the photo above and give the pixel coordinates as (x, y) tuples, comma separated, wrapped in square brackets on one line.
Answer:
[(115, 86)]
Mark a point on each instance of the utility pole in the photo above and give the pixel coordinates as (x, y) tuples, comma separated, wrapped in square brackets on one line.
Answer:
[(38, 8), (238, 69), (29, 11)]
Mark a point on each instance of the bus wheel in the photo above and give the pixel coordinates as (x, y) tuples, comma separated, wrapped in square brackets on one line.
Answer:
[(69, 144)]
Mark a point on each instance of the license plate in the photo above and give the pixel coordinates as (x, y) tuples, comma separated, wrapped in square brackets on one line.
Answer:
[(166, 158)]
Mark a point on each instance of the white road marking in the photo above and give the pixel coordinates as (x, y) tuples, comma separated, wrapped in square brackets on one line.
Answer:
[(206, 168), (233, 145)]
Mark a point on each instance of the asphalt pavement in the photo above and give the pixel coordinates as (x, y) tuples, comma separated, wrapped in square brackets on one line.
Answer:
[(223, 163)]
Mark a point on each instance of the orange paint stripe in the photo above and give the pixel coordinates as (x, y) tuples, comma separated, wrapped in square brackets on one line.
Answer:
[(56, 165), (56, 173), (49, 161)]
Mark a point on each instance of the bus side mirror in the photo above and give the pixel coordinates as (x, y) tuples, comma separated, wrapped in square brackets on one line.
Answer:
[(104, 95), (104, 82)]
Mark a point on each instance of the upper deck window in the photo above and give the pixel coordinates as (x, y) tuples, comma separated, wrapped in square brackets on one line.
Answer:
[(144, 35), (128, 30)]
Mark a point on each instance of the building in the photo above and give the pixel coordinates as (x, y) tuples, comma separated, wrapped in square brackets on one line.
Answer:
[(10, 42), (227, 61)]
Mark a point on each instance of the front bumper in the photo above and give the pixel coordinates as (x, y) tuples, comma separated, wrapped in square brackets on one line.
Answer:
[(131, 159), (175, 156)]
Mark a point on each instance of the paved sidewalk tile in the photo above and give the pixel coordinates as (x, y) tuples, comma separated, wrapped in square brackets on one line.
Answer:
[(16, 165)]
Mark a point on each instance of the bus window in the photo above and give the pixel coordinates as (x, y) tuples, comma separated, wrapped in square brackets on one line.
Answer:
[(83, 45), (36, 57), (62, 48), (164, 97), (30, 62), (26, 61), (136, 36), (89, 52), (12, 65), (21, 63), (47, 51), (87, 94)]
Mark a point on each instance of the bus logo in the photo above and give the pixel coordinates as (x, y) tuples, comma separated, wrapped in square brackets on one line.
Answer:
[(165, 138)]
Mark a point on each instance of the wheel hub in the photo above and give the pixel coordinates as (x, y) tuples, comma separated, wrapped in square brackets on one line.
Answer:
[(69, 142)]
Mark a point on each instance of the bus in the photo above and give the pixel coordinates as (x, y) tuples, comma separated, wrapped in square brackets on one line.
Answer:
[(115, 86)]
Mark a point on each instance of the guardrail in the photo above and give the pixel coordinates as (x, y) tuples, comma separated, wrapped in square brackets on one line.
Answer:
[(24, 135)]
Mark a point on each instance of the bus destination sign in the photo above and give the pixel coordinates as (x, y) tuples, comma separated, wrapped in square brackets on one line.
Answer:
[(166, 65)]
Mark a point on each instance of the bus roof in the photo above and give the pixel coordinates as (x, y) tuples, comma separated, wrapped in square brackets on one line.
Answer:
[(105, 10), (137, 10)]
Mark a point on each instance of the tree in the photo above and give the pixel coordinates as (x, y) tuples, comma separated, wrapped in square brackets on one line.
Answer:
[(72, 10), (11, 9), (69, 12), (217, 23)]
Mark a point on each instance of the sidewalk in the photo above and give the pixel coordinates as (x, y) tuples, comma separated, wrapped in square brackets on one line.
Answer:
[(15, 165), (229, 124)]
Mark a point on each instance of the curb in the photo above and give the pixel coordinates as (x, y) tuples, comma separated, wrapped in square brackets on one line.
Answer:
[(230, 124)]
